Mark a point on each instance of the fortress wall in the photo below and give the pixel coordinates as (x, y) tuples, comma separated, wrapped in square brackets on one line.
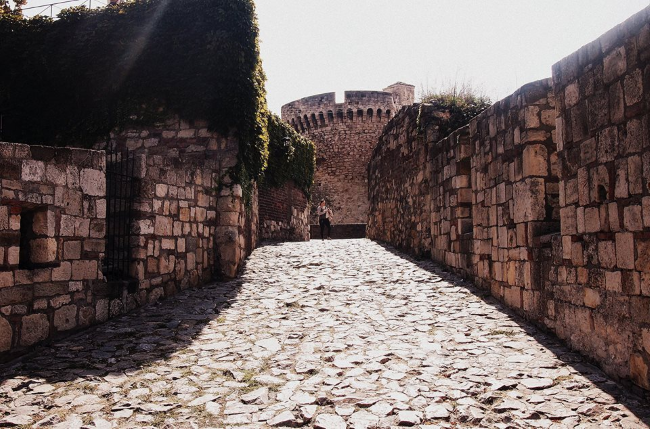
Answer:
[(602, 261), (284, 213), (190, 223), (345, 135), (52, 229), (400, 180), (560, 198), (451, 202), (514, 192), (56, 233)]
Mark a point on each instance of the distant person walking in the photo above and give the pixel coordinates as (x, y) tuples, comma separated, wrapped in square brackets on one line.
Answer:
[(324, 220)]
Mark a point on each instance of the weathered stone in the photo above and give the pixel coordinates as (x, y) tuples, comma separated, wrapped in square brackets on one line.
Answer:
[(35, 328)]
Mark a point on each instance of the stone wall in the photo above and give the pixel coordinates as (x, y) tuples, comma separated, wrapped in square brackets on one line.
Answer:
[(514, 192), (451, 202), (187, 215), (345, 135), (602, 261), (400, 182), (557, 191), (284, 213), (189, 225), (52, 226)]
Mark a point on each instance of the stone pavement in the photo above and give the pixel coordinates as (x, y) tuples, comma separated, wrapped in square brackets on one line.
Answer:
[(330, 334)]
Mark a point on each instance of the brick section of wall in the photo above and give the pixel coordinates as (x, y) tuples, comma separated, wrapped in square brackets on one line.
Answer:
[(345, 135), (602, 261), (515, 192), (182, 165), (52, 226), (400, 182), (284, 213), (451, 202)]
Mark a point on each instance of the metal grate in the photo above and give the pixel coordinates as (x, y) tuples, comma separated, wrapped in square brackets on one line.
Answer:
[(120, 188)]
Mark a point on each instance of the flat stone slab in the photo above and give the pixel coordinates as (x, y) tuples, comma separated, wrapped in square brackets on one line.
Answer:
[(334, 334)]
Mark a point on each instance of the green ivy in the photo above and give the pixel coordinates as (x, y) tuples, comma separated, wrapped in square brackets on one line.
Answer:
[(291, 157), (71, 81)]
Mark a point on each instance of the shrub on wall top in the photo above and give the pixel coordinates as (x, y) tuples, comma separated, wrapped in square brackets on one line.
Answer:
[(70, 81)]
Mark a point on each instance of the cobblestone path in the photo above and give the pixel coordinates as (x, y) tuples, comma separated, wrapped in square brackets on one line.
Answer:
[(328, 334)]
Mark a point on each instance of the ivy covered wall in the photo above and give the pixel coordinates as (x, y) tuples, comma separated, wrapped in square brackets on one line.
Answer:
[(70, 81)]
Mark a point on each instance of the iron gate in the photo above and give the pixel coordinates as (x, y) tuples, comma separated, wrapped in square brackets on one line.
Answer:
[(120, 187)]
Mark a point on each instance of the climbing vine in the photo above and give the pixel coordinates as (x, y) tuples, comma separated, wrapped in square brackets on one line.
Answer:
[(71, 81), (291, 156)]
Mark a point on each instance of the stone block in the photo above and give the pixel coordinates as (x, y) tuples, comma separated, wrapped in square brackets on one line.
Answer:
[(607, 144), (592, 220), (101, 310), (72, 250), (643, 255), (93, 182), (635, 175), (66, 226), (613, 281), (633, 218), (614, 65), (639, 371), (529, 200), (621, 186), (6, 335), (625, 250), (6, 279), (591, 297), (32, 171), (84, 270), (82, 227), (62, 272), (163, 226), (167, 264), (94, 245), (161, 190), (143, 227), (34, 328), (599, 189), (535, 160), (568, 220), (60, 301), (607, 254), (43, 250), (65, 318), (44, 223), (646, 212), (69, 199), (633, 87), (616, 103)]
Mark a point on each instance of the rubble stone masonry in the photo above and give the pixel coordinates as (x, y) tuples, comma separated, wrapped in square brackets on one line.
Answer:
[(543, 199), (345, 135), (52, 227)]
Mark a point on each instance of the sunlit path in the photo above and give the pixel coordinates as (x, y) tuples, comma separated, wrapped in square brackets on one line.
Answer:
[(329, 334)]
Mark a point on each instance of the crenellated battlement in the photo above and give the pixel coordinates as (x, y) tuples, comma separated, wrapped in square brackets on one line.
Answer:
[(345, 135), (322, 110)]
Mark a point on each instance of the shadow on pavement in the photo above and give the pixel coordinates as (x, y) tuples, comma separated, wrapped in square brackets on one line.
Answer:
[(152, 333), (626, 394)]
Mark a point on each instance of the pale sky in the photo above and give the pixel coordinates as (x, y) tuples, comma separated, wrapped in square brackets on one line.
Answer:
[(310, 47)]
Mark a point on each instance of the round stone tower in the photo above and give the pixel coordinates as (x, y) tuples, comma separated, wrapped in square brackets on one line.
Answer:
[(345, 135)]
